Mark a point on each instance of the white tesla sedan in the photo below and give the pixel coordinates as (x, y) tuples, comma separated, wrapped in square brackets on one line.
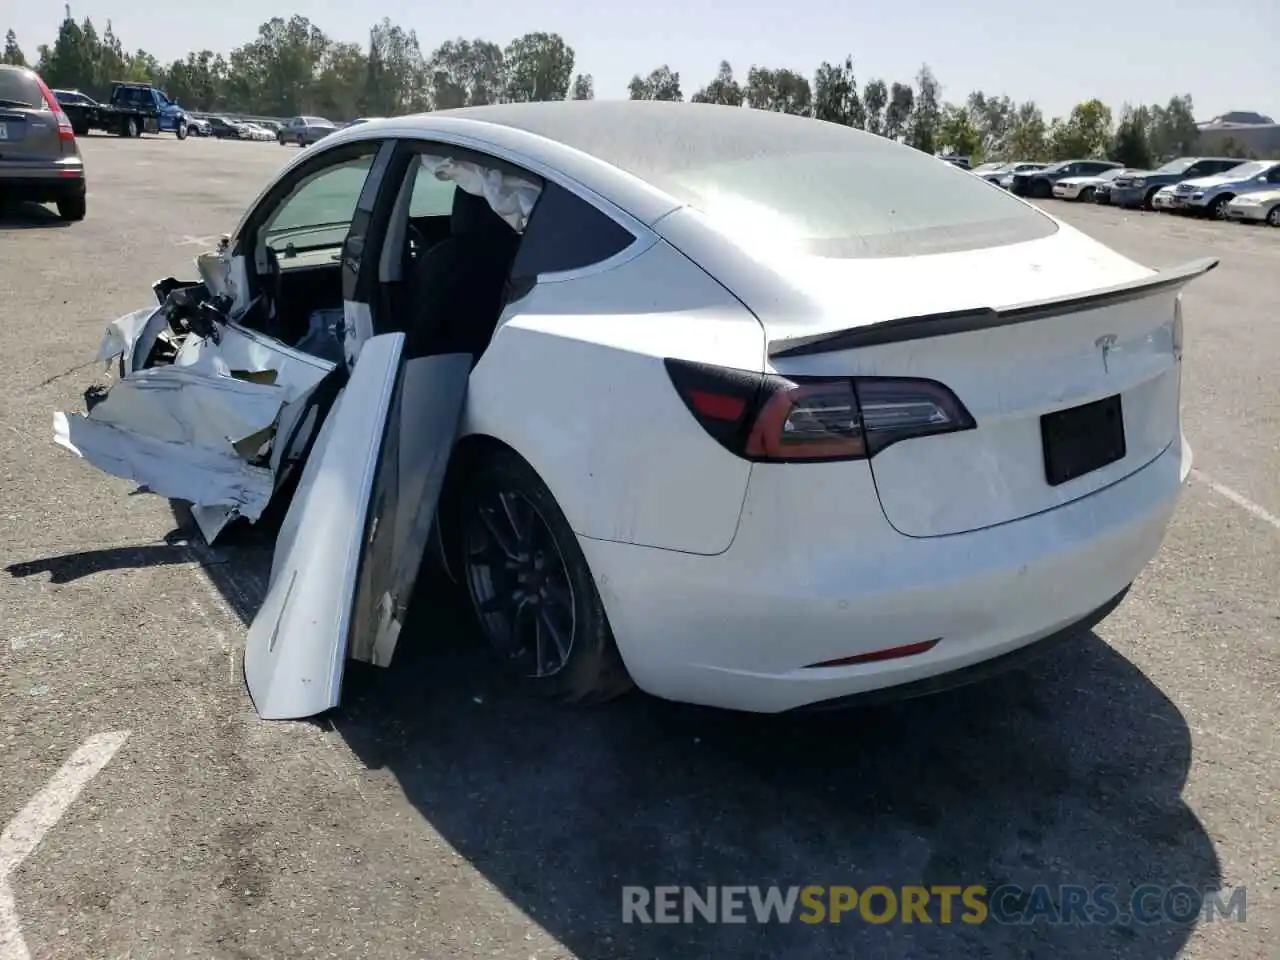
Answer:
[(746, 409)]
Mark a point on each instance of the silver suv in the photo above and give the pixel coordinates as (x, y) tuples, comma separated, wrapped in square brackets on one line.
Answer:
[(305, 131), (39, 158)]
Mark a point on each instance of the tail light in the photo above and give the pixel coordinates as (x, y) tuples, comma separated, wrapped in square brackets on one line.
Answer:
[(65, 131), (767, 417)]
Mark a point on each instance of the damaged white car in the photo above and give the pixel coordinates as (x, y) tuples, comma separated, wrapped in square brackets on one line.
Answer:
[(747, 409)]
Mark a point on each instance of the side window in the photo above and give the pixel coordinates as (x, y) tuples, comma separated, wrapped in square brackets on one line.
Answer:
[(567, 233), (317, 212), (430, 197), (1274, 175)]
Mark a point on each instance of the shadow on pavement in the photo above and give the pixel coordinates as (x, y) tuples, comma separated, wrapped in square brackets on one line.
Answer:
[(28, 216), (73, 566), (1069, 772)]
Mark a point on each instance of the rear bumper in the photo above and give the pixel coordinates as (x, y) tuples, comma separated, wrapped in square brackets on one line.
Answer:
[(43, 185), (975, 673), (1128, 196), (816, 574)]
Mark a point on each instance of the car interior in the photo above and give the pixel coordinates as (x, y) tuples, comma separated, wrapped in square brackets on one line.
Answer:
[(443, 269)]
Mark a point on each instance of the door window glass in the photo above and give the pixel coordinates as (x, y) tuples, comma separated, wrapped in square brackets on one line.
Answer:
[(318, 212)]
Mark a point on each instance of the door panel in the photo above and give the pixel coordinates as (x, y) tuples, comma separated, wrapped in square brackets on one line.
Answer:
[(424, 427), (297, 643)]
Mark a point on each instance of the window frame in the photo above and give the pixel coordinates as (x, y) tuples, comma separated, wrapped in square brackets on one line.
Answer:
[(351, 257), (466, 147)]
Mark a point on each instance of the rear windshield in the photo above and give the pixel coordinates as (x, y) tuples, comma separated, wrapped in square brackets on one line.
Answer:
[(845, 194), (19, 88)]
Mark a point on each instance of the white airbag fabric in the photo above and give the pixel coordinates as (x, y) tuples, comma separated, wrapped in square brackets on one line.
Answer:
[(511, 197)]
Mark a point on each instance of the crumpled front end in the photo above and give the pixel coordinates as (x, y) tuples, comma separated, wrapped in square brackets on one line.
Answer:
[(202, 410)]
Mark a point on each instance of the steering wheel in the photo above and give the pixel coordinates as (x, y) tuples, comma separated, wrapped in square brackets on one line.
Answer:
[(415, 244)]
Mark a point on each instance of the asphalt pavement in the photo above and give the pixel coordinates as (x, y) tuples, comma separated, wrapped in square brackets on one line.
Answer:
[(438, 814)]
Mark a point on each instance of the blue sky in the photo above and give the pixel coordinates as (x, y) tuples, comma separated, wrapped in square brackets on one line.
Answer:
[(1056, 54)]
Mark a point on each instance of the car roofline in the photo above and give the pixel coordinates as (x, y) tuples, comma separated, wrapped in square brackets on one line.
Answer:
[(571, 168)]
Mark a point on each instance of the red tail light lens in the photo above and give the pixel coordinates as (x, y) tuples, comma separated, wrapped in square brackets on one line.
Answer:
[(65, 131), (766, 417)]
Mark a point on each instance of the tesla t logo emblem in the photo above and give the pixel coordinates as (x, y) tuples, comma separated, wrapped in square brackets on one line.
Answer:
[(1105, 343)]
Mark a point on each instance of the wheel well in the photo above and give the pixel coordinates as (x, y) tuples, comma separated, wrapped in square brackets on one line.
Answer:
[(467, 453)]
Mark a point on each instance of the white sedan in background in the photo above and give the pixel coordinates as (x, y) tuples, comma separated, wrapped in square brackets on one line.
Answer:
[(1083, 188), (255, 132), (1164, 198), (742, 408), (1260, 207)]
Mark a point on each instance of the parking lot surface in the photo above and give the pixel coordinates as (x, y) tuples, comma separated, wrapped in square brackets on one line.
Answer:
[(438, 814)]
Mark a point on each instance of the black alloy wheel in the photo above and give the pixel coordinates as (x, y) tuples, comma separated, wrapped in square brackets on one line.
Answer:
[(532, 591), (519, 583)]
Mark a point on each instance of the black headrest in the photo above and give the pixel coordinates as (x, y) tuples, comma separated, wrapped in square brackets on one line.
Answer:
[(472, 215)]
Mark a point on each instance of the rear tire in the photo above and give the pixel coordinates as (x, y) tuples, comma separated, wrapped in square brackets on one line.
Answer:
[(511, 526), (72, 209), (129, 127)]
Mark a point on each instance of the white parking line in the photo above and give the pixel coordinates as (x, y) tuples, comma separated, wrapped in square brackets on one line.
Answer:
[(190, 241), (27, 829), (1238, 499)]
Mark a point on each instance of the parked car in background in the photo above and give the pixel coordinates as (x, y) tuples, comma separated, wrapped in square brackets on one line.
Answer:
[(39, 158), (1137, 188), (961, 162), (1164, 199), (1209, 196), (305, 131), (1039, 183), (1084, 188), (1004, 176), (251, 130), (1262, 206), (198, 127), (226, 129), (73, 99)]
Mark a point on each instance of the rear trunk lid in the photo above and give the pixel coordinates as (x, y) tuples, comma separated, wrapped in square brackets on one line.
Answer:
[(28, 129), (1018, 333)]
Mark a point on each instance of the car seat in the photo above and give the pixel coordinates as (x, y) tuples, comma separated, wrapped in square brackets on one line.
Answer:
[(457, 287)]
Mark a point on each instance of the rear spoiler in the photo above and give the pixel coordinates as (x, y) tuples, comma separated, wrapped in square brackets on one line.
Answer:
[(982, 318)]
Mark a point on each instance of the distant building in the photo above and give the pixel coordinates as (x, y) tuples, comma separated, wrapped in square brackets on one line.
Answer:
[(1255, 134)]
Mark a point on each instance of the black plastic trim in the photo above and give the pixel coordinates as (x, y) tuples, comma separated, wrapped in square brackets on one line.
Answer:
[(983, 318)]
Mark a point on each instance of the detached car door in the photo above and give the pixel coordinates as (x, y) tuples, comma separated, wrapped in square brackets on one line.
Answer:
[(348, 552)]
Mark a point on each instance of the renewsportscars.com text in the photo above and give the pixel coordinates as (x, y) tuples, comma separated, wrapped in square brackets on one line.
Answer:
[(973, 904)]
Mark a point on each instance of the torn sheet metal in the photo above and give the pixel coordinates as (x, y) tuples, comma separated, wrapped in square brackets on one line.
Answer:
[(201, 428), (176, 432)]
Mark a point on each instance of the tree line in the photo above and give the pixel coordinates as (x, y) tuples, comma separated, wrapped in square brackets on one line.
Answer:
[(292, 67)]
